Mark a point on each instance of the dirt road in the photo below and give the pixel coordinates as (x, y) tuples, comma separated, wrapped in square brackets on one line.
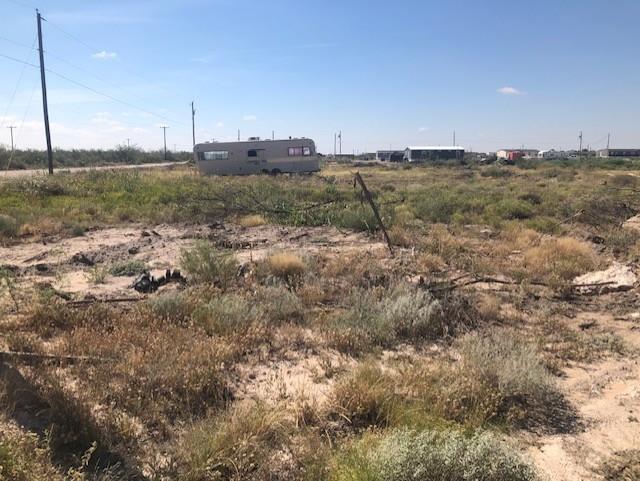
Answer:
[(12, 174)]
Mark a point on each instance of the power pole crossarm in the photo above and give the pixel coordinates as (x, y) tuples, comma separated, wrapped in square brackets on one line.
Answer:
[(45, 107)]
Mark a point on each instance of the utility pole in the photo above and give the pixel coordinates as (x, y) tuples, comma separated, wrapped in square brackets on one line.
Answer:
[(340, 138), (238, 135), (45, 106), (193, 124), (164, 129), (11, 127), (335, 143), (608, 140), (273, 135), (454, 138), (580, 137), (128, 148)]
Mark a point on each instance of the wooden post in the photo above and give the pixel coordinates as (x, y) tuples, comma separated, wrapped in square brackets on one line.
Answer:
[(369, 198)]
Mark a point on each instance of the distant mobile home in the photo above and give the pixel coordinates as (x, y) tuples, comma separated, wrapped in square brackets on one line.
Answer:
[(606, 153), (430, 153), (257, 156)]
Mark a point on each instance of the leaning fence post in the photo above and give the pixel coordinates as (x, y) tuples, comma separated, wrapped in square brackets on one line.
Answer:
[(369, 198)]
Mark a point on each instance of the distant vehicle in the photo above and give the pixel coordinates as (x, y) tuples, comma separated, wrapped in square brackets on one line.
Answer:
[(257, 156)]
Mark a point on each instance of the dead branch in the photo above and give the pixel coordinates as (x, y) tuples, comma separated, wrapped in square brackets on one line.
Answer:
[(454, 284), (34, 358), (85, 302)]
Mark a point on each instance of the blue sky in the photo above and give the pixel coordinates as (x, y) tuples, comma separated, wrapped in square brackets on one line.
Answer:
[(500, 73)]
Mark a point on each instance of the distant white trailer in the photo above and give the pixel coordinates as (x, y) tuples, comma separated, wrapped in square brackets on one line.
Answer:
[(257, 157)]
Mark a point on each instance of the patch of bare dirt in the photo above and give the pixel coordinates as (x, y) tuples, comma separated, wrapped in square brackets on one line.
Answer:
[(70, 264), (607, 397)]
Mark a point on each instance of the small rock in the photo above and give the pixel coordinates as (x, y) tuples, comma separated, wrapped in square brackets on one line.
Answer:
[(133, 250), (617, 278), (633, 223)]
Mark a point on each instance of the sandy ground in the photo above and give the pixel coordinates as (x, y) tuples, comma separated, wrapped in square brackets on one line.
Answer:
[(605, 394), (67, 264), (12, 174)]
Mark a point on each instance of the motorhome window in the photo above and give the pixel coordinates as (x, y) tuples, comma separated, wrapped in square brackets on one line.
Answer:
[(216, 155), (306, 151), (252, 153), (295, 151)]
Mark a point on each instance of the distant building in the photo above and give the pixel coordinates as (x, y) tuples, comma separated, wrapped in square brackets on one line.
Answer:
[(430, 153), (390, 155), (508, 154), (550, 154), (606, 153)]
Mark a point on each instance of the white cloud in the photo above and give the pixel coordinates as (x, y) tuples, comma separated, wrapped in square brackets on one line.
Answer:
[(424, 129), (249, 118), (104, 55), (510, 91), (220, 124)]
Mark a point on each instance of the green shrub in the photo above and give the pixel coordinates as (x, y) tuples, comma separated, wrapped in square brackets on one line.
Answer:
[(500, 378), (228, 314), (128, 268), (430, 455), (207, 265), (379, 318), (279, 304), (496, 172), (511, 209), (174, 307), (8, 227)]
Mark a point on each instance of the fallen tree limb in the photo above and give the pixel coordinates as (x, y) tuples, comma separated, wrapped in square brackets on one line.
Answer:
[(454, 284), (34, 358), (85, 302)]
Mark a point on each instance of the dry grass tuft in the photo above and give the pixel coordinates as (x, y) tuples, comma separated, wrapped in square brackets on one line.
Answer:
[(365, 397), (207, 265), (252, 221), (286, 266), (560, 260), (235, 446)]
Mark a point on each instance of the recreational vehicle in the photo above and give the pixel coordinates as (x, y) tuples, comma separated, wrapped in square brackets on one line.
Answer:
[(257, 156)]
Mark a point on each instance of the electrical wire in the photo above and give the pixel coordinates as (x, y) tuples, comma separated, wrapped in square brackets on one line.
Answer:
[(24, 117), (91, 89), (15, 90)]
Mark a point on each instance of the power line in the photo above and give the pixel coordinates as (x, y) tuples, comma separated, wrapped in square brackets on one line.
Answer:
[(19, 44), (15, 90), (91, 89), (22, 4)]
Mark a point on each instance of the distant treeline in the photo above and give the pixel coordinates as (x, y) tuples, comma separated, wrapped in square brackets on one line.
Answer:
[(37, 159)]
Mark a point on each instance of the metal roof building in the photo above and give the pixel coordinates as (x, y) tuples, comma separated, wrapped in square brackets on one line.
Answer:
[(428, 153)]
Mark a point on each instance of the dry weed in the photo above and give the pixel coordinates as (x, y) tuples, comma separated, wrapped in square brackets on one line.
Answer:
[(252, 221)]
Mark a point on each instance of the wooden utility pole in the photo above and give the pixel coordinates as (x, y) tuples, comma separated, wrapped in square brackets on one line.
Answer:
[(11, 127), (164, 129), (193, 124), (45, 106)]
